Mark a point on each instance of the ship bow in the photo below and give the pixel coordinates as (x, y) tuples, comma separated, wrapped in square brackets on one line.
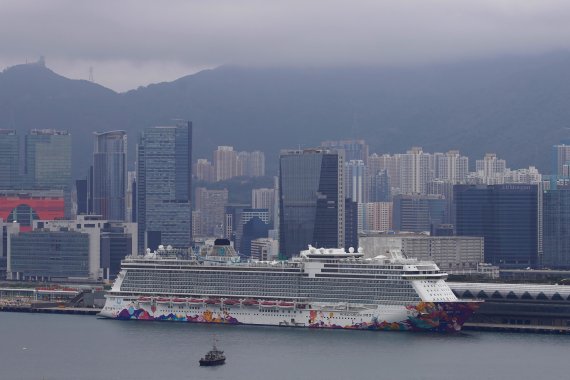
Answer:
[(445, 317)]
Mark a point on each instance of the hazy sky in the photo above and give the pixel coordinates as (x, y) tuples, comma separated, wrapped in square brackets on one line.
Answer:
[(137, 42)]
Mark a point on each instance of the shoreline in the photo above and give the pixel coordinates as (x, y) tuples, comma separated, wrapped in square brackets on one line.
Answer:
[(50, 310), (469, 326)]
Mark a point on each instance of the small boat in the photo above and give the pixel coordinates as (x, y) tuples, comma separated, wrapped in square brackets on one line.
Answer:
[(213, 357), (179, 300), (286, 305), (213, 301), (268, 303), (230, 302), (163, 300), (196, 301), (145, 299)]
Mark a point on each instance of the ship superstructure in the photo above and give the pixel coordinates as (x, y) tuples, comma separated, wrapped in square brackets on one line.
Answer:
[(327, 288)]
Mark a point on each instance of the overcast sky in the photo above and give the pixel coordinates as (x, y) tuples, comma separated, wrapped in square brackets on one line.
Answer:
[(136, 42)]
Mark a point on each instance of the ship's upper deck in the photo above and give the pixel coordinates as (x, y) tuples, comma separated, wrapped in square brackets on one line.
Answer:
[(316, 275), (308, 260)]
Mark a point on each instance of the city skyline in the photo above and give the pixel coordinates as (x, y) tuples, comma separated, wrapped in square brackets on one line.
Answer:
[(411, 191)]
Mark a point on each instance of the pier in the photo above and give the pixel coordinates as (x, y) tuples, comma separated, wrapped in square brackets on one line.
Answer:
[(51, 310), (532, 308), (499, 327)]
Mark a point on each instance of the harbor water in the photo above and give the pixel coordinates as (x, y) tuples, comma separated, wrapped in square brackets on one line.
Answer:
[(60, 347)]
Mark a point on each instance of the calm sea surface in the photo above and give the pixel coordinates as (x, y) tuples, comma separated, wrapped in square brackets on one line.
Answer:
[(42, 346)]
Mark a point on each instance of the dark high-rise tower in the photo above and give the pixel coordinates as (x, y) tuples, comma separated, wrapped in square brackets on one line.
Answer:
[(110, 174), (507, 216), (418, 213), (556, 228), (164, 174), (9, 159), (311, 200)]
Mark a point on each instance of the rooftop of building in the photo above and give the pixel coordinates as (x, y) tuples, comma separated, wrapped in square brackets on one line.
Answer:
[(320, 150), (510, 291), (49, 132), (412, 235), (117, 133), (30, 194)]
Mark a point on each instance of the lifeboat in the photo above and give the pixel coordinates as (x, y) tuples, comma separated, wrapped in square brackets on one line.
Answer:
[(250, 302), (163, 300), (286, 305), (268, 303), (145, 299), (213, 301), (179, 300), (231, 302), (196, 301)]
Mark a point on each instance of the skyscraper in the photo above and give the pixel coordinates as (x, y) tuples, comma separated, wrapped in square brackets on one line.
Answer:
[(164, 175), (491, 170), (48, 162), (351, 223), (556, 228), (356, 181), (452, 167), (379, 188), (205, 170), (311, 200), (392, 166), (253, 224), (264, 198), (110, 175), (48, 159), (561, 155), (376, 216), (256, 164), (353, 149), (418, 213), (507, 216), (415, 171), (444, 188), (9, 159), (211, 207), (225, 163)]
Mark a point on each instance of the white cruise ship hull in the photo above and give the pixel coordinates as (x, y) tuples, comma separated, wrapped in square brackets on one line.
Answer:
[(424, 316)]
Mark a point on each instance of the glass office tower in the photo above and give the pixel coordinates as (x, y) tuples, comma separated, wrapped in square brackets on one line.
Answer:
[(48, 162), (556, 228), (48, 159), (311, 200), (63, 254), (507, 216), (9, 159), (164, 175), (110, 175)]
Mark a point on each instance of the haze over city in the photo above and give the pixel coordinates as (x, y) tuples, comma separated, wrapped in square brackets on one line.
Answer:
[(134, 43)]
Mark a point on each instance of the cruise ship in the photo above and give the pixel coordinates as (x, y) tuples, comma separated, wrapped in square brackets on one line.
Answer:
[(321, 288)]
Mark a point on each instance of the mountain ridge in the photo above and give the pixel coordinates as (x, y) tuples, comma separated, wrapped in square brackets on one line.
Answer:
[(515, 107)]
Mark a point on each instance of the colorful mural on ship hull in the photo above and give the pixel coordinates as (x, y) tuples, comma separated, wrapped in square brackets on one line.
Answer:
[(205, 317), (425, 316)]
